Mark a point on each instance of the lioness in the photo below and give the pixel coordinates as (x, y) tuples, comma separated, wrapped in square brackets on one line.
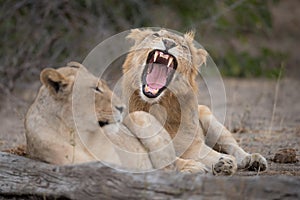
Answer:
[(54, 135), (159, 74)]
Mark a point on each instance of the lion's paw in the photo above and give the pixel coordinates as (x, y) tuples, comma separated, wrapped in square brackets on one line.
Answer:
[(254, 162), (225, 166)]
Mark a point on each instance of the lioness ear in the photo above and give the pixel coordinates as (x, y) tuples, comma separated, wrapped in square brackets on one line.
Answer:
[(53, 80), (138, 35)]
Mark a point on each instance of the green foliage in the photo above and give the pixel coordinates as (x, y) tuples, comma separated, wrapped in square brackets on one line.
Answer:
[(191, 11), (38, 34), (267, 64), (251, 15), (227, 19)]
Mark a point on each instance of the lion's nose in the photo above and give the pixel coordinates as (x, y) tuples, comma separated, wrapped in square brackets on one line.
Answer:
[(169, 44), (120, 108)]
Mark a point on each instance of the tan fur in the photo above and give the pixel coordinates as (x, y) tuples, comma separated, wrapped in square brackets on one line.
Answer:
[(180, 102), (53, 137)]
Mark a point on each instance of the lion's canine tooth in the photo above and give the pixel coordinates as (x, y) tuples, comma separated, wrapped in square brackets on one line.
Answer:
[(170, 61), (146, 88), (155, 55), (155, 91)]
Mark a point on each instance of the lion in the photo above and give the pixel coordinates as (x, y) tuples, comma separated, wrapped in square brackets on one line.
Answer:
[(159, 76), (61, 127)]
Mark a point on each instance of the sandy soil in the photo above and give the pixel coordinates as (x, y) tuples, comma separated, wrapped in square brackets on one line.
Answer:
[(262, 114)]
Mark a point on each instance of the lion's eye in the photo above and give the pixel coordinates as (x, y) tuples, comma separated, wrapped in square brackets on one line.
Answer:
[(185, 47), (156, 34), (97, 89)]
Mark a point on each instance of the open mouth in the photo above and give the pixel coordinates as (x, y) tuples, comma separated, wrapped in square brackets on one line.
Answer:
[(159, 71)]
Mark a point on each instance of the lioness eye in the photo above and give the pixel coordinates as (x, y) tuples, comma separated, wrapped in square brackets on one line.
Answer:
[(98, 89), (156, 34)]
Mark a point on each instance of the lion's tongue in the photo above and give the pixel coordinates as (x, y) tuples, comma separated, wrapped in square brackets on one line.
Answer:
[(157, 77)]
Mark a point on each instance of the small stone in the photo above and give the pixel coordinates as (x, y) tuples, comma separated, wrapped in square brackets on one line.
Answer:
[(287, 155), (19, 150)]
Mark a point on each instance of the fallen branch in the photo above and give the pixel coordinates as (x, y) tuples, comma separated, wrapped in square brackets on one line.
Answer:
[(24, 178)]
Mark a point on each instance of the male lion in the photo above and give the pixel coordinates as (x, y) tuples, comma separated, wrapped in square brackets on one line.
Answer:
[(159, 77), (61, 127)]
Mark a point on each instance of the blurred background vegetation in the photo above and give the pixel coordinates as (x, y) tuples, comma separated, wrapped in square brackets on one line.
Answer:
[(246, 38)]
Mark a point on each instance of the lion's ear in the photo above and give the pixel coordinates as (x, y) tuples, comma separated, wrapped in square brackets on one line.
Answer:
[(54, 81), (189, 36), (138, 35), (199, 54), (201, 57)]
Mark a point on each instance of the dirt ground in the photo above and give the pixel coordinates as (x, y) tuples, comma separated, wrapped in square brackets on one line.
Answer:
[(262, 114)]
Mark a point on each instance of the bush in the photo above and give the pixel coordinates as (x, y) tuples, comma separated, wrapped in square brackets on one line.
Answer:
[(38, 34)]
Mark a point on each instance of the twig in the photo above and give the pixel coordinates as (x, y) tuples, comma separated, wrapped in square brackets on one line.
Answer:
[(275, 98)]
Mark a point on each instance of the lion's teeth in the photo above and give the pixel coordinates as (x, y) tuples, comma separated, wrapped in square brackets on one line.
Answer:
[(162, 55), (154, 91), (170, 61), (155, 55), (149, 89), (146, 88)]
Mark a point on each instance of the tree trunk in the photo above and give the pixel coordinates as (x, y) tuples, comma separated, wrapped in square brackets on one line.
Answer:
[(23, 178)]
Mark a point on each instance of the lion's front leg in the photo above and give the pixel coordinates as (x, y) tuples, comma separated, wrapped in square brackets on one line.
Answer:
[(153, 137), (189, 144), (221, 139), (217, 163), (159, 144)]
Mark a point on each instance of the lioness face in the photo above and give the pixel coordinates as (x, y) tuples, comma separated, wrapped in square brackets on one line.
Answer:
[(160, 57), (109, 108), (59, 83)]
